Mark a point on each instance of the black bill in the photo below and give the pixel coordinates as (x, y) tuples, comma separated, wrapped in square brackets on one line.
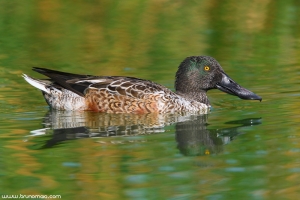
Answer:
[(229, 86)]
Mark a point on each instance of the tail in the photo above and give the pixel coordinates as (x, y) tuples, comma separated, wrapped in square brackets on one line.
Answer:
[(58, 80), (39, 84)]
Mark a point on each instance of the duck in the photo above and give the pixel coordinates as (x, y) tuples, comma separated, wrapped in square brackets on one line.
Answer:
[(119, 94)]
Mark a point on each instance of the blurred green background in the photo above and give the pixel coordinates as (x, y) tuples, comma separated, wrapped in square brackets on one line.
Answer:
[(257, 44)]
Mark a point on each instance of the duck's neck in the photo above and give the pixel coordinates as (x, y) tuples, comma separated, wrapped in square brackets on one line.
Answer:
[(199, 96), (190, 89)]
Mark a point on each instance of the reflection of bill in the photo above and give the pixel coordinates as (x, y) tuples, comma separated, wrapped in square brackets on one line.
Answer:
[(192, 135)]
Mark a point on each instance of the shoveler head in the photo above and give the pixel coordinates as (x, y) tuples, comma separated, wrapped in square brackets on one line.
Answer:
[(198, 74)]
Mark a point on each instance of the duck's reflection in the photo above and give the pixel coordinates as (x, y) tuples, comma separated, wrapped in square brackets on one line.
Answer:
[(192, 134), (193, 137)]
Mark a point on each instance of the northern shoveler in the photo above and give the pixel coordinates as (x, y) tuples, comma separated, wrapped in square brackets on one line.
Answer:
[(116, 94)]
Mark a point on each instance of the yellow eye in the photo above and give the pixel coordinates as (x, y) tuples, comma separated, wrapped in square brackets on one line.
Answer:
[(206, 68)]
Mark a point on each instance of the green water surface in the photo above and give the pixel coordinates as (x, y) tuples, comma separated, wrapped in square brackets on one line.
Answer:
[(240, 150)]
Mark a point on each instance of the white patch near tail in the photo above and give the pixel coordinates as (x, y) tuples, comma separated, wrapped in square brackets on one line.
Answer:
[(36, 83)]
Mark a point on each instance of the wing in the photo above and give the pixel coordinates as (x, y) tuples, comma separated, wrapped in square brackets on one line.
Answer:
[(117, 85), (127, 86)]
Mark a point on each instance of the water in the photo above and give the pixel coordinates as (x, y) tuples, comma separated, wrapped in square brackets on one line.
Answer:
[(240, 150)]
